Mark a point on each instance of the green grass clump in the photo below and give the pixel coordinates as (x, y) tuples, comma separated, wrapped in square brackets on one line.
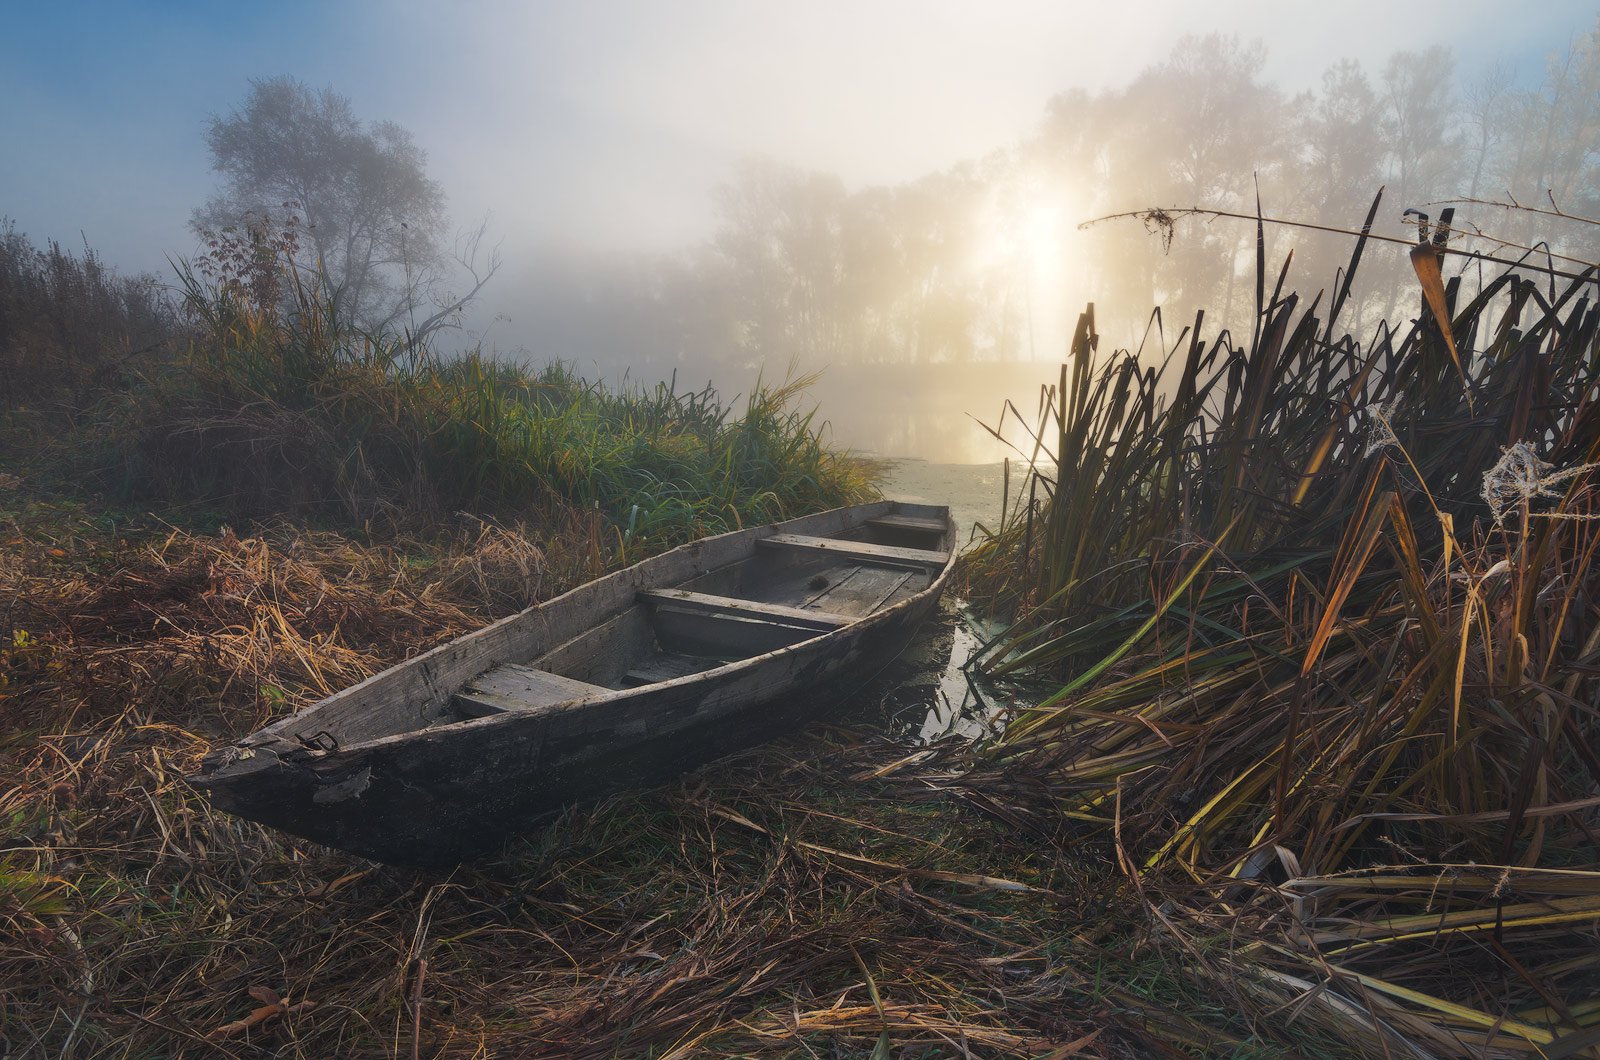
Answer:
[(1322, 615), (251, 396), (291, 412)]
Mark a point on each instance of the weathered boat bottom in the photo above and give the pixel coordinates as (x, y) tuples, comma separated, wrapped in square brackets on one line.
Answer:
[(620, 683)]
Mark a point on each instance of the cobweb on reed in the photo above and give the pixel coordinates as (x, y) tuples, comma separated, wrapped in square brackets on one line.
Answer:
[(1520, 477), (1380, 432)]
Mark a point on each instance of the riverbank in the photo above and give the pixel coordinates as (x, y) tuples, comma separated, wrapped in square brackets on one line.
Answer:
[(834, 890), (1104, 880)]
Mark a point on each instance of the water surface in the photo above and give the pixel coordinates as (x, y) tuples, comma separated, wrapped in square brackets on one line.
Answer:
[(928, 694)]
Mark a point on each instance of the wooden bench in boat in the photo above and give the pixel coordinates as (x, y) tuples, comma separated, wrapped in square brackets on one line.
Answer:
[(730, 613), (859, 550), (696, 624), (666, 666), (908, 522), (514, 687), (733, 607)]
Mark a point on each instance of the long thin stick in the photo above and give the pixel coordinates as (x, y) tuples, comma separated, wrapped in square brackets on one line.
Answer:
[(1166, 214), (1556, 211), (416, 1008)]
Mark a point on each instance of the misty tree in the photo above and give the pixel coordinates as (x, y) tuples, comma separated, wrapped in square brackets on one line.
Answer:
[(1552, 133), (957, 300), (1198, 128), (1341, 162), (359, 195), (780, 229), (1225, 131), (823, 274), (1485, 103), (1425, 144), (1342, 129)]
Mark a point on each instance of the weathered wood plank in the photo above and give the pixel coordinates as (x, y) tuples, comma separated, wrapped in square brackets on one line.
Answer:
[(908, 522), (514, 687), (729, 636), (526, 682), (917, 511), (857, 591), (861, 550), (889, 592), (483, 704), (665, 666), (830, 582), (700, 603), (602, 654)]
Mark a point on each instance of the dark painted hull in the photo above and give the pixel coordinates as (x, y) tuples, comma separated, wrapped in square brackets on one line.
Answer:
[(442, 794)]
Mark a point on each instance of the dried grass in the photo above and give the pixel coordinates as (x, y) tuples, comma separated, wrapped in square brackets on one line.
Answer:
[(783, 903)]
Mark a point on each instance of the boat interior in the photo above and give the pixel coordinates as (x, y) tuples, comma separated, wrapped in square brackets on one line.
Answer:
[(789, 589)]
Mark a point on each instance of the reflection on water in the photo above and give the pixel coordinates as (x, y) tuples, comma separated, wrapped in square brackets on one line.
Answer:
[(957, 708), (933, 695), (936, 696)]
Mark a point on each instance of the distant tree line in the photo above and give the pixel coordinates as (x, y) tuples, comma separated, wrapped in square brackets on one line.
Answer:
[(1202, 127), (945, 267)]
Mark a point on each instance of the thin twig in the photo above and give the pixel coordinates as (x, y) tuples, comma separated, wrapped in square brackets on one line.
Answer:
[(1170, 212)]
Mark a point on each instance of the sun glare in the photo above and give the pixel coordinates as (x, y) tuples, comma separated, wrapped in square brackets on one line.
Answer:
[(1042, 232)]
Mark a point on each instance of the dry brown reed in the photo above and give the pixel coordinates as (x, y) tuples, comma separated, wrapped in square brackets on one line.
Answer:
[(1325, 699), (71, 327)]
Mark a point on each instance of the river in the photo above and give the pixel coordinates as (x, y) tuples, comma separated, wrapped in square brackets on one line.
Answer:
[(926, 695)]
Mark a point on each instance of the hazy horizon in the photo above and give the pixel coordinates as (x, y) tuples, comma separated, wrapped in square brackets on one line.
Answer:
[(593, 137), (620, 114)]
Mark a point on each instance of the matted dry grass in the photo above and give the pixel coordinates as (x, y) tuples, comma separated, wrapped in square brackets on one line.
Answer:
[(821, 896)]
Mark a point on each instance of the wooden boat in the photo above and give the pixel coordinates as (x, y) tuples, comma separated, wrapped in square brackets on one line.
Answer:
[(607, 686)]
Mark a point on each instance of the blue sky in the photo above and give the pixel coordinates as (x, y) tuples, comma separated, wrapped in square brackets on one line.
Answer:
[(605, 124)]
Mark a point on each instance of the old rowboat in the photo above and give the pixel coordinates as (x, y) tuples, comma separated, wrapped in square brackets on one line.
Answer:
[(613, 684)]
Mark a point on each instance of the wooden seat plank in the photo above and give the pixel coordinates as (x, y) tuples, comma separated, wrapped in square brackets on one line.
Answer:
[(857, 590), (859, 550), (665, 666), (514, 687), (908, 522), (733, 607)]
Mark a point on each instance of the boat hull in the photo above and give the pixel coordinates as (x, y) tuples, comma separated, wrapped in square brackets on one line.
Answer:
[(442, 794)]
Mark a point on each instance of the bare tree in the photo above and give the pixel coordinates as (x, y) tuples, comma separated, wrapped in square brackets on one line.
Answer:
[(1422, 124), (369, 213)]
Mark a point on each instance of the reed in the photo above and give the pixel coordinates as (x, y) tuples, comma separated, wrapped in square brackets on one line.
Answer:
[(1321, 614), (70, 326)]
